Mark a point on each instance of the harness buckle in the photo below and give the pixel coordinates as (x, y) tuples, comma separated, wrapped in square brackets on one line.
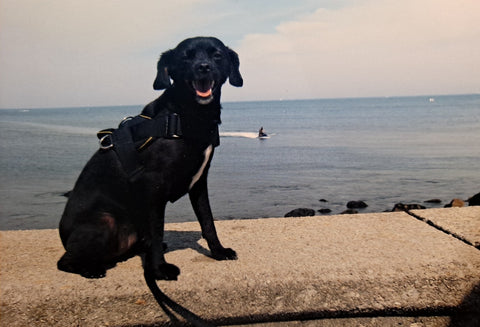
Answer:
[(172, 126), (106, 142), (125, 120)]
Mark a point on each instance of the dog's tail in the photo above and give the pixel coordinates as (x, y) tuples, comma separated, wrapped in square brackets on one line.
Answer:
[(163, 300)]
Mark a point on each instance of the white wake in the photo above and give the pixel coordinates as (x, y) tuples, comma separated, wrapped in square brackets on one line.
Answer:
[(248, 135)]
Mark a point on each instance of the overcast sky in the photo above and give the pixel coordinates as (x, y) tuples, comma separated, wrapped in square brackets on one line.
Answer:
[(62, 53)]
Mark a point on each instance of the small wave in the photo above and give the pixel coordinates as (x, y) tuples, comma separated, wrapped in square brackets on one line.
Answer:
[(59, 128), (248, 135), (47, 195)]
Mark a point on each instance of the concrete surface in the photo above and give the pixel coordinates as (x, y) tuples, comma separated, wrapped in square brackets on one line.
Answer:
[(385, 269), (464, 223)]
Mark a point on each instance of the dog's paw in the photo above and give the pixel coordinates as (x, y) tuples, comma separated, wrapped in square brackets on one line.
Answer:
[(67, 264), (99, 272), (224, 254), (166, 271)]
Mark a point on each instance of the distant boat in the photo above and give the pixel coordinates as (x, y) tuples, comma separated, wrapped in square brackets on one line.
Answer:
[(262, 134), (431, 100)]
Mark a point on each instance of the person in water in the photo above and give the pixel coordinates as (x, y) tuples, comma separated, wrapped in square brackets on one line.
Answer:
[(261, 132)]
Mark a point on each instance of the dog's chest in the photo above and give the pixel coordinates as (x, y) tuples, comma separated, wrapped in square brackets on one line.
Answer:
[(206, 157)]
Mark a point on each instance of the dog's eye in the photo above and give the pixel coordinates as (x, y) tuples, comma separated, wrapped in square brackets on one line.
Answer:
[(188, 55), (217, 56)]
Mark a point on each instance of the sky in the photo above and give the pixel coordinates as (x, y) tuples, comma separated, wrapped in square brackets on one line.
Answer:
[(70, 53)]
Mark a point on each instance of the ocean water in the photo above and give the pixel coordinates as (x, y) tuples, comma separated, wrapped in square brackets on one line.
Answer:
[(379, 150)]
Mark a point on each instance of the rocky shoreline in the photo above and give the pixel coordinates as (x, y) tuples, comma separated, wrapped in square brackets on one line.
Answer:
[(355, 206)]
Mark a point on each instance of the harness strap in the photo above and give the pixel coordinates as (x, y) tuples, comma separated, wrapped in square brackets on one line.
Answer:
[(135, 134)]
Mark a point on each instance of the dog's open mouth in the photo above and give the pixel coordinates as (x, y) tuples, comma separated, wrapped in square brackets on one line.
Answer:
[(204, 90)]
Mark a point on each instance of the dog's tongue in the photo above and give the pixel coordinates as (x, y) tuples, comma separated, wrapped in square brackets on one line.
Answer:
[(203, 88), (205, 94)]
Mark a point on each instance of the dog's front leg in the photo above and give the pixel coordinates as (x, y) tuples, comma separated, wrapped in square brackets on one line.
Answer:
[(201, 206), (155, 259)]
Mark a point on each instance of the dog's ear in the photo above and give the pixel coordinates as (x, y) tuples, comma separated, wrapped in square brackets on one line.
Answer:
[(162, 81), (235, 77)]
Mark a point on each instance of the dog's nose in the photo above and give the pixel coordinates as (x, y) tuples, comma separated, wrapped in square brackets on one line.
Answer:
[(203, 67)]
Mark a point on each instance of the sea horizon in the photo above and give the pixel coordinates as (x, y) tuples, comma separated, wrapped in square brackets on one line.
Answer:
[(247, 101)]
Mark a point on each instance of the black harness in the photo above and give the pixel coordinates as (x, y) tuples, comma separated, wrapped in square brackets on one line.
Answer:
[(135, 134)]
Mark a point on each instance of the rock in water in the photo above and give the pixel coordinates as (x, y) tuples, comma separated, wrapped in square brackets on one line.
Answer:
[(474, 200), (406, 207), (455, 203), (324, 210), (356, 205), (433, 201), (301, 212)]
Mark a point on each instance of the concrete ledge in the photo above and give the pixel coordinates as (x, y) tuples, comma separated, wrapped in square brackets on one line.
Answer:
[(376, 267)]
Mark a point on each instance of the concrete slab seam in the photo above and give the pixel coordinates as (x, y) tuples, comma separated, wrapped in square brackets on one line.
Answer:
[(440, 228)]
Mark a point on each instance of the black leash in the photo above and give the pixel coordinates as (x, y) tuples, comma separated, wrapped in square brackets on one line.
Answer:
[(164, 301)]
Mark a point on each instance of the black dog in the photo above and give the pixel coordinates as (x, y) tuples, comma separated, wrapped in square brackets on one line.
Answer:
[(116, 209)]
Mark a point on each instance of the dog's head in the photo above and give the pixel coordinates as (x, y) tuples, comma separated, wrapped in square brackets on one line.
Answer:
[(201, 65)]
